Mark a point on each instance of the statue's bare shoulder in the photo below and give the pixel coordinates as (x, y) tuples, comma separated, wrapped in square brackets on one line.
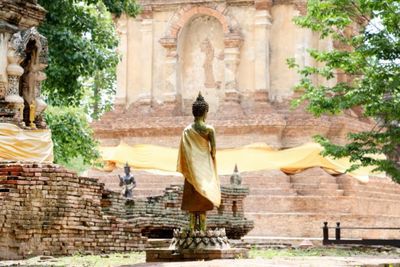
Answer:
[(210, 129)]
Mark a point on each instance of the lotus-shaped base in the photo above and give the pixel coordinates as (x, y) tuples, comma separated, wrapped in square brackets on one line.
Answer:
[(209, 239)]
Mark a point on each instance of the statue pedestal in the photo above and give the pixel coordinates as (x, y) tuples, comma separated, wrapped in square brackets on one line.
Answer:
[(168, 255), (197, 245)]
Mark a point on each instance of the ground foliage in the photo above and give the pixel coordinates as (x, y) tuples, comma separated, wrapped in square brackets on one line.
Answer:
[(367, 35), (82, 64)]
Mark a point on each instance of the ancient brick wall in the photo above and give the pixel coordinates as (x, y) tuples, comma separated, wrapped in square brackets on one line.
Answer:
[(296, 205), (157, 216), (48, 210)]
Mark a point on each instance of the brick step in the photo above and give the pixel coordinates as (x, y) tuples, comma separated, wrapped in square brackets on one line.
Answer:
[(268, 185), (380, 180), (152, 185), (331, 186), (312, 175), (312, 179), (264, 179), (383, 182), (310, 224), (393, 189), (157, 179), (319, 192), (259, 203), (379, 183), (328, 204), (373, 194), (273, 191)]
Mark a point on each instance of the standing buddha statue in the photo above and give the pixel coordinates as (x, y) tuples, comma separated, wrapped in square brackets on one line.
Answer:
[(196, 161)]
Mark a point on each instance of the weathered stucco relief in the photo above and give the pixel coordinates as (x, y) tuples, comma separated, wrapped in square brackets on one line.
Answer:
[(199, 43), (208, 50)]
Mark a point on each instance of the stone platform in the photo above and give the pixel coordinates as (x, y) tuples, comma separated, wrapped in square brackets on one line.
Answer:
[(168, 255), (187, 245)]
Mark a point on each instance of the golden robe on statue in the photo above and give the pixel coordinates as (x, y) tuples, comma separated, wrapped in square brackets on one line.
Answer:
[(202, 186)]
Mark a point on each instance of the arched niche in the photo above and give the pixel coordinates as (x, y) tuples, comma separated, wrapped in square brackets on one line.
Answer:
[(201, 64), (177, 54), (28, 52)]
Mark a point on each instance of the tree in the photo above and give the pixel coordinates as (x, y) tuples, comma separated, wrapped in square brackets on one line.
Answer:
[(368, 34), (82, 64), (71, 134), (82, 43)]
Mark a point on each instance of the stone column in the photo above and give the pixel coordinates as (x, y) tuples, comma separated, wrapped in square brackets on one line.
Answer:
[(145, 97), (170, 97), (231, 101), (14, 73), (4, 37), (262, 25), (122, 68), (305, 41)]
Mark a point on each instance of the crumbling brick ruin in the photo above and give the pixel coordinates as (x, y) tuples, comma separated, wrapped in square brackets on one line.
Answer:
[(49, 210)]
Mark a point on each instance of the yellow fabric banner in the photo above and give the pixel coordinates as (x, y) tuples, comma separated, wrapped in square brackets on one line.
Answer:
[(197, 165), (254, 157), (25, 145)]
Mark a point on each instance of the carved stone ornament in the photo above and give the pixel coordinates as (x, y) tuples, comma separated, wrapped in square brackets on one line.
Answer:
[(20, 40), (209, 239)]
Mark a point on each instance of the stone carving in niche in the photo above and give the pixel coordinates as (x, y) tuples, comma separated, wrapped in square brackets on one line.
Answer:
[(20, 40), (207, 48), (32, 52)]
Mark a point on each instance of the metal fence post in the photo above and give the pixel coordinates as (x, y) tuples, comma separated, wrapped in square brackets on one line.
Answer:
[(337, 231), (325, 232)]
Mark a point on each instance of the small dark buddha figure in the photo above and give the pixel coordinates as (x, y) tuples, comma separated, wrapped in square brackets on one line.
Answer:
[(127, 182), (196, 161)]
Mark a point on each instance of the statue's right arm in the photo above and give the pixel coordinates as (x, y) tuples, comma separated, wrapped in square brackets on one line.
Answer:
[(211, 135)]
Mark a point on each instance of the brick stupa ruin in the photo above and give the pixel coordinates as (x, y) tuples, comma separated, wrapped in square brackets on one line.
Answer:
[(235, 52)]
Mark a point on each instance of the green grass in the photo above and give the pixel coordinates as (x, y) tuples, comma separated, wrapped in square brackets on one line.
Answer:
[(318, 252), (108, 260)]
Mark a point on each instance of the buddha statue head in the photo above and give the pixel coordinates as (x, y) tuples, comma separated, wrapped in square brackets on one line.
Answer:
[(200, 107)]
